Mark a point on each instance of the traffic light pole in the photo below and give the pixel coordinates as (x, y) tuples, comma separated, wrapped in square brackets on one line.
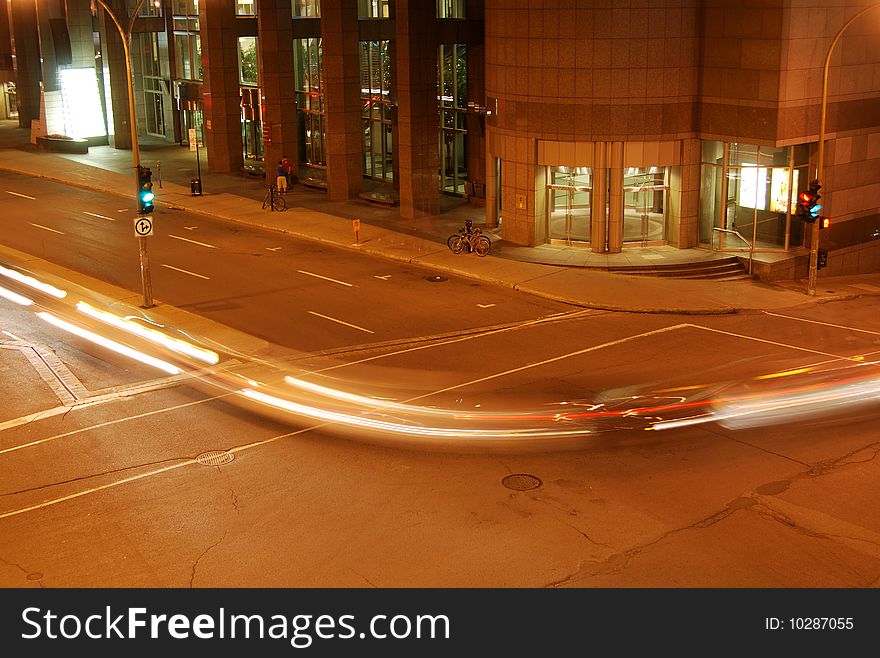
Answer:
[(125, 37), (814, 242)]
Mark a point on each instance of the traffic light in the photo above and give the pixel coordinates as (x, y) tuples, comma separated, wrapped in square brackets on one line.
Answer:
[(824, 222), (808, 203), (821, 259), (145, 191)]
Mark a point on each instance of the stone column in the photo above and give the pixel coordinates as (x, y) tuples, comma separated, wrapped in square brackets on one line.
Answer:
[(599, 198), (416, 82), (278, 98), (615, 199), (27, 61), (115, 69), (221, 90), (342, 97)]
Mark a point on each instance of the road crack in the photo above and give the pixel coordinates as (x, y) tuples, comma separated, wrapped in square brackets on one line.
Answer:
[(204, 553)]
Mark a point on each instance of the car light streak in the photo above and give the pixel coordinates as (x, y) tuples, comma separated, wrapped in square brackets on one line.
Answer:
[(15, 297), (175, 344), (33, 283), (109, 344)]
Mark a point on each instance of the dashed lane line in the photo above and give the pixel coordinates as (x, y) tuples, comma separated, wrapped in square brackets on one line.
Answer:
[(326, 278), (826, 324), (24, 196), (203, 244), (171, 267), (46, 228), (94, 214)]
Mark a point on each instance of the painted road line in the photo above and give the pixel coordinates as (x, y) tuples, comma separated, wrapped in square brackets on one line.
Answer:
[(190, 228), (384, 277), (171, 267), (24, 196), (826, 324), (326, 278), (94, 214), (838, 357), (485, 305), (347, 324), (272, 248), (46, 228), (12, 336), (203, 244)]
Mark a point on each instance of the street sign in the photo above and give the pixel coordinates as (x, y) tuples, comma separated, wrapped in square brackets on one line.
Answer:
[(193, 141), (356, 224), (143, 226)]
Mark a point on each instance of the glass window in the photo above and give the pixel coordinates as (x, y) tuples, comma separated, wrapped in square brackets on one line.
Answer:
[(452, 108), (149, 8), (644, 204), (374, 8), (185, 7), (751, 191), (187, 42), (245, 8), (450, 8), (247, 61), (375, 65), (309, 83), (305, 8), (569, 204)]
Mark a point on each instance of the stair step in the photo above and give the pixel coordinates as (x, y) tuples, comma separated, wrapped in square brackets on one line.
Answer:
[(727, 269)]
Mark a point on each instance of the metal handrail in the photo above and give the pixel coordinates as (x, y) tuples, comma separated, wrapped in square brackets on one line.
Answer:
[(739, 235)]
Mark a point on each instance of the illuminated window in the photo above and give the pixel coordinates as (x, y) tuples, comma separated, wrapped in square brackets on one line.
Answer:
[(81, 103), (450, 8), (187, 41), (305, 8), (149, 8), (452, 109), (309, 72), (374, 8), (245, 8), (247, 61), (376, 108)]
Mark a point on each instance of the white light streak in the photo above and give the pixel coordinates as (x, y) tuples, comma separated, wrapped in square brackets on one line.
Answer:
[(15, 297), (32, 282)]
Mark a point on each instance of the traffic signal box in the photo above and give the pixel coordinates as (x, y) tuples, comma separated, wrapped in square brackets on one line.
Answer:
[(821, 259), (145, 191), (808, 203)]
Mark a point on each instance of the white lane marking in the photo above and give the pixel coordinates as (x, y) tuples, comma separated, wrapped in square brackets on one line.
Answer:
[(353, 326), (99, 425), (13, 336), (837, 357), (384, 277), (123, 210), (94, 214), (326, 278), (46, 228), (171, 267), (21, 195), (827, 324), (272, 248), (190, 228), (586, 350), (485, 305), (203, 244)]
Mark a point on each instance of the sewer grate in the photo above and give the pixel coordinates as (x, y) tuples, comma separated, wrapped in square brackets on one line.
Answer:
[(215, 458), (521, 482), (435, 279)]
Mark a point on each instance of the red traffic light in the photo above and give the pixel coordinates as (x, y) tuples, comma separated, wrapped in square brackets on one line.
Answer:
[(824, 222)]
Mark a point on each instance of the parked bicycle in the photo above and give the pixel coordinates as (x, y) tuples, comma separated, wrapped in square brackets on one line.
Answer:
[(274, 199), (471, 239)]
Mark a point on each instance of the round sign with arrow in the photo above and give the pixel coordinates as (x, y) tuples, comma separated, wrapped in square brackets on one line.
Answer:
[(143, 226)]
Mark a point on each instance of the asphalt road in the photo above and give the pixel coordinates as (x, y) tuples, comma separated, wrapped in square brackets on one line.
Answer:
[(123, 488)]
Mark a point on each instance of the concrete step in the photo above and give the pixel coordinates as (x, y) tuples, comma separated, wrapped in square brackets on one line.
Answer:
[(728, 268)]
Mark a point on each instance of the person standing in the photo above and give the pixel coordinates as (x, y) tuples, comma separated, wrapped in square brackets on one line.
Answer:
[(281, 177), (287, 167)]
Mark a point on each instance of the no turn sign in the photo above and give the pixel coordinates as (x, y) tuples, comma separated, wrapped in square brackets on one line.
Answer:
[(143, 226)]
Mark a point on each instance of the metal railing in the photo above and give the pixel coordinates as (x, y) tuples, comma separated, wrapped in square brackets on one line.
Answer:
[(751, 247)]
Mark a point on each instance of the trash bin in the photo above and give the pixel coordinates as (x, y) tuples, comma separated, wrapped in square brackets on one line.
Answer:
[(195, 186)]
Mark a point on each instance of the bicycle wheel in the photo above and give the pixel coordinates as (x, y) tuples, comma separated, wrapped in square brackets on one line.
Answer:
[(452, 240), (265, 201), (456, 244), (482, 246), (280, 203)]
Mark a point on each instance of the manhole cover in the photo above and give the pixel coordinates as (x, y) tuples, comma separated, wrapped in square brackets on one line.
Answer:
[(521, 482), (215, 458), (435, 279)]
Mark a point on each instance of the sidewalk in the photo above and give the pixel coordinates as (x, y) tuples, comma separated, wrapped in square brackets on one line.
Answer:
[(547, 272)]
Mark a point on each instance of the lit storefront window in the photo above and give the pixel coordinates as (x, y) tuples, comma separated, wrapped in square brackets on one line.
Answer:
[(309, 71), (375, 64), (752, 190)]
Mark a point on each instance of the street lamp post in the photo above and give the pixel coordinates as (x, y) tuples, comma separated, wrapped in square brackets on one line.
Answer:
[(814, 242), (125, 36)]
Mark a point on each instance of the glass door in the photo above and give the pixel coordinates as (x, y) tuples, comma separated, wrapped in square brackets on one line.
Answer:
[(644, 204), (568, 207)]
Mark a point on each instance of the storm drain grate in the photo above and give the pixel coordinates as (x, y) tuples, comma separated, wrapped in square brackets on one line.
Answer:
[(521, 482), (215, 458), (435, 279)]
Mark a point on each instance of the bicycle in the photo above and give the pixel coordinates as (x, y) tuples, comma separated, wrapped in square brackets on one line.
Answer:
[(274, 199), (474, 241)]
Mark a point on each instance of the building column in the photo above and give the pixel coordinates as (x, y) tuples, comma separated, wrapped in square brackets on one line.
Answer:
[(615, 199), (27, 60), (221, 91), (599, 199), (116, 72), (342, 98), (278, 97), (416, 140)]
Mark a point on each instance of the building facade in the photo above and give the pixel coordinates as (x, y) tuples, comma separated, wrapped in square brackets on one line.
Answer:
[(596, 124)]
